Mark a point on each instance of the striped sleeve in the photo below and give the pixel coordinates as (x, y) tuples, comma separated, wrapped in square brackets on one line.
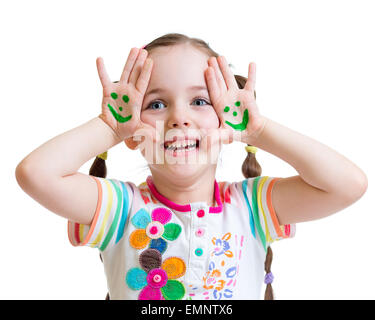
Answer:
[(264, 223), (107, 228)]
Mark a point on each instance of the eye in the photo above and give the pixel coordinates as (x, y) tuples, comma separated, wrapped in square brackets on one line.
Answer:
[(155, 103), (201, 99)]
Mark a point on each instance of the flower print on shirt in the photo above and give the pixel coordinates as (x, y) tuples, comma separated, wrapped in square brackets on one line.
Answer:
[(222, 246), (153, 230), (219, 280), (157, 278), (214, 281)]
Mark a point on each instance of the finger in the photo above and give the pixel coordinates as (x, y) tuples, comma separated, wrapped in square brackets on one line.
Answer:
[(213, 88), (145, 76), (227, 73), (219, 76), (138, 66), (250, 83), (103, 75), (133, 54)]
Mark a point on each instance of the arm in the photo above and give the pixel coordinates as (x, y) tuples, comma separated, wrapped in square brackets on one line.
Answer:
[(327, 181), (49, 173)]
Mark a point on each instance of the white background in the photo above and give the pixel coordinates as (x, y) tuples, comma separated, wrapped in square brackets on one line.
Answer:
[(315, 74)]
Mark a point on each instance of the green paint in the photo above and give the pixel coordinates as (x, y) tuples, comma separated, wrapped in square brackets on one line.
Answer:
[(226, 109), (125, 98), (234, 113), (118, 117), (237, 103), (240, 126)]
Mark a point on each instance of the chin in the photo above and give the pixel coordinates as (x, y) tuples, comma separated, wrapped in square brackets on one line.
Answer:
[(181, 171)]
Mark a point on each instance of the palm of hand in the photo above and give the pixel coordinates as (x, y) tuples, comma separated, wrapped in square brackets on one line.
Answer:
[(121, 107), (236, 108), (122, 101)]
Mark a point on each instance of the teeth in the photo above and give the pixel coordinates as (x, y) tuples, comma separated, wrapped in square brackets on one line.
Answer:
[(181, 145)]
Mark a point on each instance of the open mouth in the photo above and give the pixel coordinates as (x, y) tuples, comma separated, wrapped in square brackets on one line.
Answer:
[(178, 146)]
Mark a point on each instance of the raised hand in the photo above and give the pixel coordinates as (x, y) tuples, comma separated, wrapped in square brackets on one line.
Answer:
[(236, 108), (122, 101)]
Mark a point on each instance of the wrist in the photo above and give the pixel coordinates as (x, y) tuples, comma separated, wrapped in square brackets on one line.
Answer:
[(116, 138), (253, 138)]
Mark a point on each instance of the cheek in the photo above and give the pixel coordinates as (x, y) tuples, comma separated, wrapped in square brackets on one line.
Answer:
[(146, 118), (210, 119)]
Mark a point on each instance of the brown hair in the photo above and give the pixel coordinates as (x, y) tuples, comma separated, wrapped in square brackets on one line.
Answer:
[(250, 166)]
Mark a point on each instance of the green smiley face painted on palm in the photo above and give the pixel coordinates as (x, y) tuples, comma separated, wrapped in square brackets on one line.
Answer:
[(117, 116), (245, 119)]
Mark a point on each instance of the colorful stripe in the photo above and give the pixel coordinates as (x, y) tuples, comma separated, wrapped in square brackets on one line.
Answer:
[(274, 218), (113, 226), (81, 231), (110, 216), (251, 217), (106, 216), (97, 212), (76, 233), (256, 213), (124, 214), (260, 204), (262, 215)]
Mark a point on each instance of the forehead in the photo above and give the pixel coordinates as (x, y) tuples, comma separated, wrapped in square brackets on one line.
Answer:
[(178, 63), (179, 53)]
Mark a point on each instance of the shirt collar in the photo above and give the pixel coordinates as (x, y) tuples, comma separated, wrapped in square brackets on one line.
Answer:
[(186, 207)]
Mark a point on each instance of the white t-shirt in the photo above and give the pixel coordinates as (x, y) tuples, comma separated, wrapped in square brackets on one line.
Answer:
[(153, 248)]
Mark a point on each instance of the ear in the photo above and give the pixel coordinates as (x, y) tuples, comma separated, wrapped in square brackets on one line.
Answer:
[(131, 144)]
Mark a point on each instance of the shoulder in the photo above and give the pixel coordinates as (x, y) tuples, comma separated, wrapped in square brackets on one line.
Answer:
[(145, 193), (248, 188), (230, 192)]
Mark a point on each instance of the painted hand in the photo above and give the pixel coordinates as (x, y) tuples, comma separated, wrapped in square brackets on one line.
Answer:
[(236, 108), (122, 101)]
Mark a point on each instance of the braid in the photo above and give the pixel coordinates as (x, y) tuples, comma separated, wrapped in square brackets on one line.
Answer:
[(98, 167), (251, 168), (268, 295)]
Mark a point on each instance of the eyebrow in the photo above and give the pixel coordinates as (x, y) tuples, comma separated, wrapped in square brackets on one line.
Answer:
[(158, 90)]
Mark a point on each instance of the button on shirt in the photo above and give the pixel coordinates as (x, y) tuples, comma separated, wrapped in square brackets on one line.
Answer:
[(155, 249)]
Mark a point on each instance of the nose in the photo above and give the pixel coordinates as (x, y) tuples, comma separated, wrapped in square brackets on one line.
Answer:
[(178, 118)]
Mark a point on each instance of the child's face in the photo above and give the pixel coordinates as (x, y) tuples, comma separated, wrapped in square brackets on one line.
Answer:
[(180, 111)]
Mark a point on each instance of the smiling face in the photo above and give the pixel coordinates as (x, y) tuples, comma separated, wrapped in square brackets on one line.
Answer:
[(177, 104)]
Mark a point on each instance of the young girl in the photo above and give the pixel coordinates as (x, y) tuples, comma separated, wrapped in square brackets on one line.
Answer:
[(181, 234)]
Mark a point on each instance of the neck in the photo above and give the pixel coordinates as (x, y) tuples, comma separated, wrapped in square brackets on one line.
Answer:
[(198, 188)]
